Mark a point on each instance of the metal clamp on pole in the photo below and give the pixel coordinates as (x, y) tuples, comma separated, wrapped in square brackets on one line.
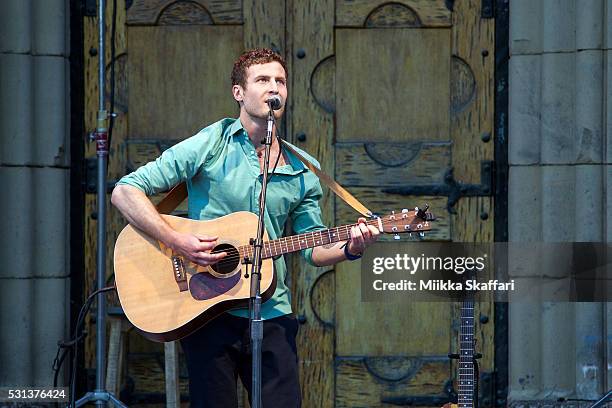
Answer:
[(101, 134)]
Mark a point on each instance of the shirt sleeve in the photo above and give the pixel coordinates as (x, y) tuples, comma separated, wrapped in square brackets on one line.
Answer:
[(177, 164), (306, 217)]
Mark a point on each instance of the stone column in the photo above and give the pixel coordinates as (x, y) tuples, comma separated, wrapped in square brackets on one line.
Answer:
[(34, 169), (559, 185)]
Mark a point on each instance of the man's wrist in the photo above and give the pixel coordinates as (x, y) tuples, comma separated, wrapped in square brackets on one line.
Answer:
[(349, 256)]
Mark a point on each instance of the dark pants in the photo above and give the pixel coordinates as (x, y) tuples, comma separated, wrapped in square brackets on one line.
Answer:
[(219, 352)]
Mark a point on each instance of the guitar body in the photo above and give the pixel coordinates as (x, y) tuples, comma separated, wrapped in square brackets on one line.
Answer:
[(167, 299), (166, 309)]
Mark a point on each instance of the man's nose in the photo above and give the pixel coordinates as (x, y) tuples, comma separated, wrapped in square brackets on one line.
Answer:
[(274, 86)]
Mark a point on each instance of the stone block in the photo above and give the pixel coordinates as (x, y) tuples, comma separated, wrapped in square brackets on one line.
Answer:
[(16, 109), (608, 26), (589, 24), (608, 335), (16, 23), (524, 203), (524, 339), (590, 196), (558, 339), (524, 109), (558, 25), (50, 219), (558, 203), (525, 27), (50, 324), (608, 95), (589, 107), (608, 194), (16, 327), (16, 223), (51, 27), (51, 129), (590, 350), (558, 108)]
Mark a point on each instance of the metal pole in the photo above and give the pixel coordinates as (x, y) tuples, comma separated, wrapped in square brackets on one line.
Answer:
[(256, 323), (100, 397), (102, 153)]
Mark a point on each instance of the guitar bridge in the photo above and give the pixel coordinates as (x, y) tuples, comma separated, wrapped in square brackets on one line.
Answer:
[(180, 276)]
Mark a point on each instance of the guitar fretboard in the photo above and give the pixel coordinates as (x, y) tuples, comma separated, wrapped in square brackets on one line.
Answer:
[(302, 241), (466, 356)]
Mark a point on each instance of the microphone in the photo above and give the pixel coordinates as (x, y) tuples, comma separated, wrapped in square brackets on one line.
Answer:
[(274, 102)]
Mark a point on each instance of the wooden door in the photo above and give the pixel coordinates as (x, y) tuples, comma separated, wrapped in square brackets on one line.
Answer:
[(385, 95), (389, 95)]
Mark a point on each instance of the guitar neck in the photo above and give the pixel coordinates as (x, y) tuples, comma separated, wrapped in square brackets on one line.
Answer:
[(467, 376), (299, 242)]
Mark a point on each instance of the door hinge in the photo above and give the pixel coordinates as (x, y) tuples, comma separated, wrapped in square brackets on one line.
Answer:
[(452, 188), (91, 177)]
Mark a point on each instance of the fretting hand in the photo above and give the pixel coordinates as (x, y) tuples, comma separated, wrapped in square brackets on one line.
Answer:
[(362, 235)]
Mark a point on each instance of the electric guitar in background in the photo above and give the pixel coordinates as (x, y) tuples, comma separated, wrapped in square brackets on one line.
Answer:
[(167, 298), (467, 367)]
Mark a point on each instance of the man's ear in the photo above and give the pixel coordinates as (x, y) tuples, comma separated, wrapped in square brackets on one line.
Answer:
[(237, 93)]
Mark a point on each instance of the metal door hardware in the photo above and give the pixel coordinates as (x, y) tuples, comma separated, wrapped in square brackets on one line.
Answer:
[(452, 188)]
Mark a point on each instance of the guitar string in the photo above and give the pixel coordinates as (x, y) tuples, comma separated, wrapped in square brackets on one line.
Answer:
[(301, 238), (270, 245), (292, 240)]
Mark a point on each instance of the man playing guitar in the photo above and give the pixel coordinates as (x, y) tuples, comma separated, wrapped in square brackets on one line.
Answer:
[(222, 167)]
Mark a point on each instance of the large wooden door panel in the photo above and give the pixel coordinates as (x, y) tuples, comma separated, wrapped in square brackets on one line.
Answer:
[(408, 86), (392, 84), (179, 78)]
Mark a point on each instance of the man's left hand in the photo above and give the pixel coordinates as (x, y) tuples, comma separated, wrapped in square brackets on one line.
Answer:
[(362, 235)]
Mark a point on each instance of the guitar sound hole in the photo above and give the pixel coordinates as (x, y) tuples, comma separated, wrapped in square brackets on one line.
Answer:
[(229, 263)]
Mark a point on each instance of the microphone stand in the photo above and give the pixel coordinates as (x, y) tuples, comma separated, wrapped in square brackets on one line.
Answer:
[(602, 400), (255, 321), (100, 396)]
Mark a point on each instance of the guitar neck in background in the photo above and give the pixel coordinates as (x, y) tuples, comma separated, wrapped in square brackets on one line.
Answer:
[(467, 373)]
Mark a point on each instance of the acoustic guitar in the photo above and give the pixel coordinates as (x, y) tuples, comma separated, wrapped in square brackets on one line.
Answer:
[(167, 298)]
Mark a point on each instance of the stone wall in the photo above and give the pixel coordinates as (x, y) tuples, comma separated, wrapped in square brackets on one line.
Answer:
[(34, 169)]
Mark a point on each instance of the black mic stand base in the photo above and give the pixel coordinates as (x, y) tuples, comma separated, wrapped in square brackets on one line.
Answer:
[(603, 400), (99, 396)]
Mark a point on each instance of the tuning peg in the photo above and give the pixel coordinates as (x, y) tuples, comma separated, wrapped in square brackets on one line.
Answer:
[(422, 213), (396, 237)]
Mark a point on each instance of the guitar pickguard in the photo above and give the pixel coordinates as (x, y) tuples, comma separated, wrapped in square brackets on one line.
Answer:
[(204, 286)]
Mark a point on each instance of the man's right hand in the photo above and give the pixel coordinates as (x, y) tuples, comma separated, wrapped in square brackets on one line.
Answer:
[(196, 248)]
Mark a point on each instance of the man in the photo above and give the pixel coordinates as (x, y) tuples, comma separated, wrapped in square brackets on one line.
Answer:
[(222, 166)]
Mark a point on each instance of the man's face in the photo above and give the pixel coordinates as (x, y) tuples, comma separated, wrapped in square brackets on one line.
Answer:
[(262, 82)]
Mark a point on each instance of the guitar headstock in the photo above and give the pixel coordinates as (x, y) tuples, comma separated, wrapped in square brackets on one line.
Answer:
[(408, 221)]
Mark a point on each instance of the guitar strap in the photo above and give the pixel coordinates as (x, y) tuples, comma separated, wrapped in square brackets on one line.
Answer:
[(179, 192)]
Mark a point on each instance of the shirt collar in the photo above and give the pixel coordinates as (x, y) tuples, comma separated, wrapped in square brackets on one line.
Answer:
[(295, 165), (236, 127)]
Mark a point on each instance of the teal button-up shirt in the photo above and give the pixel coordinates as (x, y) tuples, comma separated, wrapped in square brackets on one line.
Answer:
[(222, 172)]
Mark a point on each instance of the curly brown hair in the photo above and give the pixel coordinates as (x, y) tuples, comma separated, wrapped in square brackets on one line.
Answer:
[(254, 57)]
